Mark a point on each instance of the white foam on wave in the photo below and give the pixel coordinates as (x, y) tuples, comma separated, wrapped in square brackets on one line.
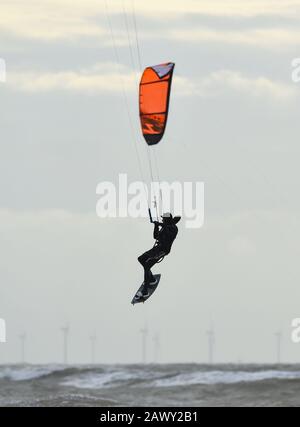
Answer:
[(27, 373), (124, 376), (107, 379), (221, 377)]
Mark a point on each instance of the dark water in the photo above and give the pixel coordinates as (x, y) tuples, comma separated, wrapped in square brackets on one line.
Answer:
[(150, 385)]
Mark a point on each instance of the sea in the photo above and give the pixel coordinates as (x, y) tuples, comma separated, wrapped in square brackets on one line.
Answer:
[(171, 385)]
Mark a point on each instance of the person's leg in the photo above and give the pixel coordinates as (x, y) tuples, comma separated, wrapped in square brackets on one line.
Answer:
[(154, 256), (148, 260), (144, 260), (151, 263), (148, 276)]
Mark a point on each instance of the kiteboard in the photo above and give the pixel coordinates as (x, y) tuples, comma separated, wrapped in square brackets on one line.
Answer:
[(152, 288)]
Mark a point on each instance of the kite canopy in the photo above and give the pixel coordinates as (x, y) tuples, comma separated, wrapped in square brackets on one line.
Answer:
[(155, 89)]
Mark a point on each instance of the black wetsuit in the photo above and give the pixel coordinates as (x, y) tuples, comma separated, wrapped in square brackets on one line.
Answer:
[(164, 234)]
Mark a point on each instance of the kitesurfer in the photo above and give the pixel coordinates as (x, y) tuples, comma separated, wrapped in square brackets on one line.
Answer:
[(164, 233)]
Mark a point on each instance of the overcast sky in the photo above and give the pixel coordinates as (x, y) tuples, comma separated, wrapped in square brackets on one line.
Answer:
[(233, 124)]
